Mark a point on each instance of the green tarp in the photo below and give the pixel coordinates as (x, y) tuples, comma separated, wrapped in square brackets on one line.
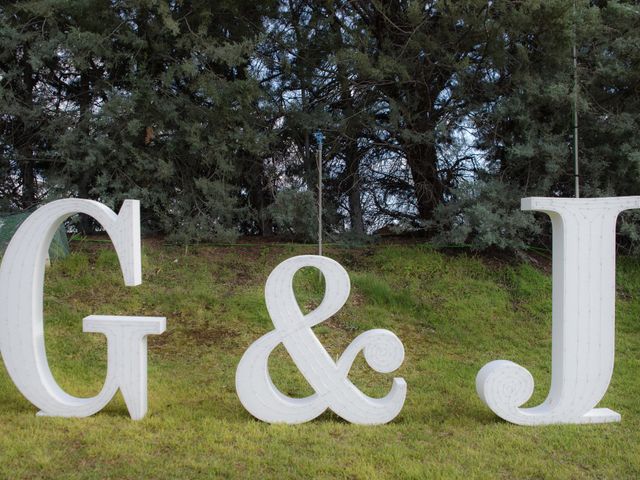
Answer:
[(9, 224)]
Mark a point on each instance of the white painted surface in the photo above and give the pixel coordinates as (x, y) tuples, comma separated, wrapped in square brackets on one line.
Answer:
[(583, 319), (21, 313), (382, 350)]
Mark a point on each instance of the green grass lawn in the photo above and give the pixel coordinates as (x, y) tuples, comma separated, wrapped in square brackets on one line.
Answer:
[(453, 313)]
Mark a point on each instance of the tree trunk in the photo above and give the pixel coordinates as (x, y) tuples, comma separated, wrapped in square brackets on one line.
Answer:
[(28, 177), (351, 131), (86, 225), (352, 182), (27, 139), (355, 208), (260, 197), (423, 163)]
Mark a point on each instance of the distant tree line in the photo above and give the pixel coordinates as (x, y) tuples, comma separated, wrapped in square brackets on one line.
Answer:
[(438, 116)]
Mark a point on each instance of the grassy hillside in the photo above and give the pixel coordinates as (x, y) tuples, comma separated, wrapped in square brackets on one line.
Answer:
[(453, 313)]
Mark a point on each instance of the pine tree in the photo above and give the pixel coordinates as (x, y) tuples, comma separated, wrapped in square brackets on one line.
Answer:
[(29, 101), (151, 100), (526, 131)]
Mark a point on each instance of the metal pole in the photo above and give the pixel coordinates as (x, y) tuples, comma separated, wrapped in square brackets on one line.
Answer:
[(320, 199), (319, 139), (576, 166)]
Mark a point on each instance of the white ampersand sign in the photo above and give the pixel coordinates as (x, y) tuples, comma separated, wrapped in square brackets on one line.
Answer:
[(21, 313), (382, 350)]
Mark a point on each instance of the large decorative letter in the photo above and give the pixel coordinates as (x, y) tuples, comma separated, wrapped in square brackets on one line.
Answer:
[(382, 350), (21, 322), (583, 319)]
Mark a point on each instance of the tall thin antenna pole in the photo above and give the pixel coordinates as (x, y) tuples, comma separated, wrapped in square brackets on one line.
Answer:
[(576, 165), (320, 200), (319, 139)]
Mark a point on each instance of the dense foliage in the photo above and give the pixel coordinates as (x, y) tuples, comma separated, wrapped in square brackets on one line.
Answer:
[(438, 116)]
